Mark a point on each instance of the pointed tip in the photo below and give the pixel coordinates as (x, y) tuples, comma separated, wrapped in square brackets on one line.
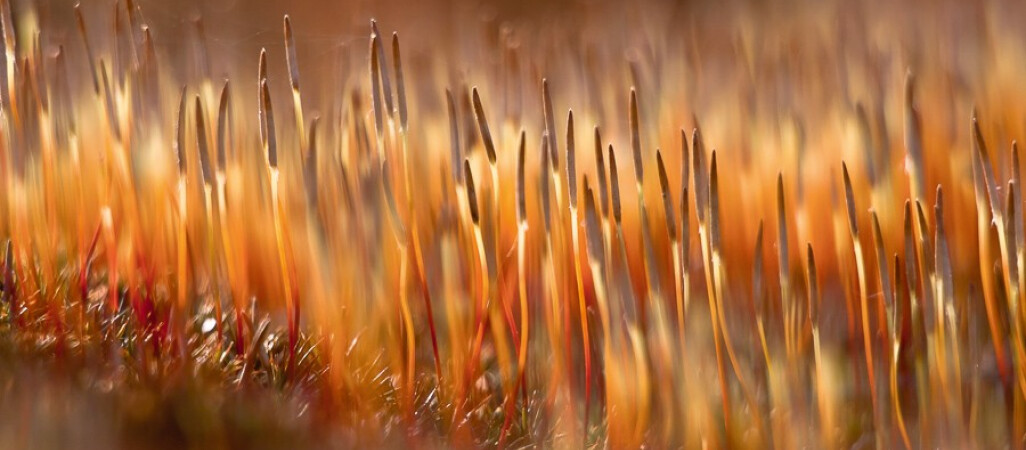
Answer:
[(400, 82), (571, 160), (664, 184), (471, 192), (222, 126), (482, 124), (614, 186), (550, 125), (635, 137), (290, 55), (271, 144), (521, 174), (180, 132), (849, 196)]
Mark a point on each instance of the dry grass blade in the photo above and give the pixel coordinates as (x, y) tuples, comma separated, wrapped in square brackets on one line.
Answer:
[(471, 193), (849, 198), (290, 54), (482, 125), (867, 341), (571, 161), (758, 285), (985, 189), (701, 182), (943, 257), (400, 82), (614, 186), (310, 166), (550, 125), (592, 227), (521, 195), (180, 134), (716, 235), (149, 52), (812, 279), (685, 163), (882, 271), (685, 230), (783, 260), (1010, 238), (894, 321), (8, 295), (272, 144), (601, 169), (543, 184), (261, 76), (297, 98), (678, 271), (1020, 232), (926, 247), (910, 249), (223, 132), (639, 172), (376, 77), (664, 184), (201, 142), (715, 261), (987, 169), (379, 51), (571, 178)]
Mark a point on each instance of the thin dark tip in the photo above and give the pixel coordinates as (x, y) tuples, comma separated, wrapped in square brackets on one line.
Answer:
[(664, 184), (614, 185), (636, 137), (471, 192), (571, 160), (602, 178), (550, 125), (714, 203), (521, 197), (482, 124), (272, 145), (222, 126), (180, 133), (400, 82), (290, 54), (849, 196), (685, 160)]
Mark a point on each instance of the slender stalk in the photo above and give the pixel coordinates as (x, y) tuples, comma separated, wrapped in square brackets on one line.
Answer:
[(404, 304), (280, 221), (702, 204), (671, 229), (571, 179), (863, 292), (525, 319), (418, 253)]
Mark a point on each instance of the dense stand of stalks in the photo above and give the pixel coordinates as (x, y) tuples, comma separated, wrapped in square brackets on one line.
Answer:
[(516, 297)]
